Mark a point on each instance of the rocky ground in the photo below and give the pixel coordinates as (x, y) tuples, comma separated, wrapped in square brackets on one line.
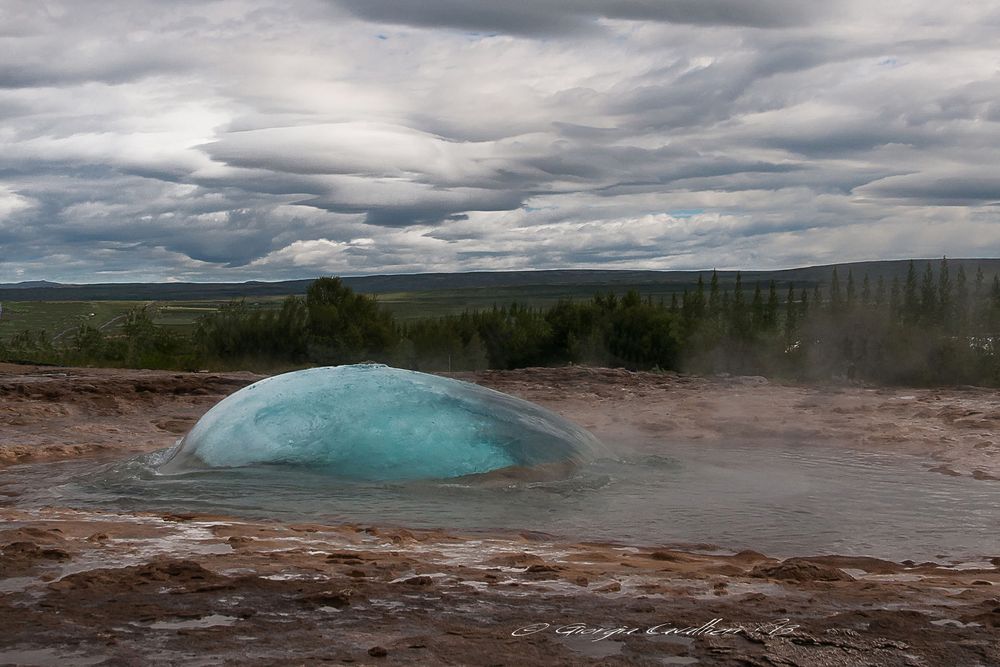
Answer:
[(85, 588)]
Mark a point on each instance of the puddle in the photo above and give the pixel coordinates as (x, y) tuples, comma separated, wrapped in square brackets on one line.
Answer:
[(46, 657), (953, 623), (591, 648), (210, 621)]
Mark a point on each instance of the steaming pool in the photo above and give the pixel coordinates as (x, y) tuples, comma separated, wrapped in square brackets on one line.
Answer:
[(406, 449), (781, 501)]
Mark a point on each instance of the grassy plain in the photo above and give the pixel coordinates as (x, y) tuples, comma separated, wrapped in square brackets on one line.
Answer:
[(61, 318)]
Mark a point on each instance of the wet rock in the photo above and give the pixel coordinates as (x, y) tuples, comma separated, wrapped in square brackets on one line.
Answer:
[(421, 580), (177, 426), (344, 558), (671, 556), (30, 550), (799, 570), (868, 564), (378, 652), (238, 541), (945, 470), (524, 559), (18, 558), (50, 536), (335, 599), (749, 555), (181, 575), (539, 568)]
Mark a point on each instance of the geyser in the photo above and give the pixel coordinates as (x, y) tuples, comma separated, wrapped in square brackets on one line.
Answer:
[(374, 422)]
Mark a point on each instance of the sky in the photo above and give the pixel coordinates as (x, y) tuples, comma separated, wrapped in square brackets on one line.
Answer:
[(200, 140)]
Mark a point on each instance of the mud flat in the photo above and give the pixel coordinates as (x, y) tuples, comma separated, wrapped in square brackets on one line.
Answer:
[(82, 586)]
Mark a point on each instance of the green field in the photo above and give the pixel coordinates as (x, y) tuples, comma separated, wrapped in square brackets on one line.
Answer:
[(409, 306), (61, 318)]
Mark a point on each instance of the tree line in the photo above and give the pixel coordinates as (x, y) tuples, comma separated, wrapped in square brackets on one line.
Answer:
[(931, 327)]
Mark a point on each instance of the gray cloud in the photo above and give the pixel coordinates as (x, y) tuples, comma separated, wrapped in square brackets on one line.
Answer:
[(244, 139), (945, 190), (542, 17)]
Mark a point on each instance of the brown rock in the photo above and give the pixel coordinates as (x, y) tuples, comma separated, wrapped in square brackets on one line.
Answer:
[(671, 556), (515, 560), (335, 599), (540, 567), (798, 569)]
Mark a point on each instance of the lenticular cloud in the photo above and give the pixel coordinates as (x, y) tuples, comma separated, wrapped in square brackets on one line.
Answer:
[(378, 423)]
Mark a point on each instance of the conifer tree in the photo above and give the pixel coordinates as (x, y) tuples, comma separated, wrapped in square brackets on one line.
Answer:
[(835, 298), (714, 300), (699, 300), (850, 289), (771, 309), (880, 291), (978, 295), (897, 309), (928, 297), (739, 316), (791, 316), (758, 321), (911, 301), (994, 305), (687, 314), (944, 304), (866, 291), (961, 305)]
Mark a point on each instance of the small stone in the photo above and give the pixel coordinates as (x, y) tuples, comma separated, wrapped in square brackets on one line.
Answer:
[(533, 569)]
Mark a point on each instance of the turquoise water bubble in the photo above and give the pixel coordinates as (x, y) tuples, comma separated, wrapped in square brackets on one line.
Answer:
[(374, 422)]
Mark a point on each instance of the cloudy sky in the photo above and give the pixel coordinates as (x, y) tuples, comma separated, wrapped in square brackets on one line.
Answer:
[(267, 139)]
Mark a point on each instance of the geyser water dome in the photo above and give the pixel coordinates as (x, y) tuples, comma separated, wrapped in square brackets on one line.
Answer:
[(378, 423)]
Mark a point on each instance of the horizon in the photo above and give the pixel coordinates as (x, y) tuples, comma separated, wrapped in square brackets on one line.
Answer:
[(917, 260)]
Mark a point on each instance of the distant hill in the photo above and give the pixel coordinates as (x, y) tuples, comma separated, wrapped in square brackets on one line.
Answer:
[(28, 284), (597, 279)]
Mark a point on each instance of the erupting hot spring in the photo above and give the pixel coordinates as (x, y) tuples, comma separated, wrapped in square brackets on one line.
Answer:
[(374, 422)]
